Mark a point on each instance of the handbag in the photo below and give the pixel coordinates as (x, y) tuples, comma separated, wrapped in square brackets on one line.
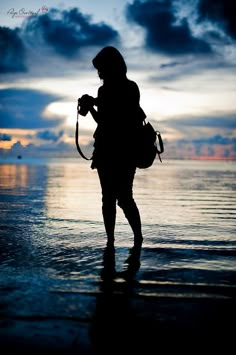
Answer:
[(147, 146)]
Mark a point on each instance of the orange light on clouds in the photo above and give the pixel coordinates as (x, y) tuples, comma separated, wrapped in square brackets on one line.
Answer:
[(5, 144), (17, 135)]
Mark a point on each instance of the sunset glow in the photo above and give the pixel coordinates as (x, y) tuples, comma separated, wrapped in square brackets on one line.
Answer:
[(187, 85)]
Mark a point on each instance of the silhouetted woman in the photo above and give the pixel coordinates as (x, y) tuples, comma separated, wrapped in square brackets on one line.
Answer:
[(118, 116)]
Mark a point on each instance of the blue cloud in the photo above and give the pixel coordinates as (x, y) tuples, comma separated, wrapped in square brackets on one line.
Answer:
[(220, 12), (22, 108), (5, 137), (208, 143), (217, 139), (49, 135), (12, 49), (163, 34), (68, 31), (218, 122)]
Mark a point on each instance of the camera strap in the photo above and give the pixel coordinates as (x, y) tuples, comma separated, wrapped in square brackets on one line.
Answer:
[(77, 139)]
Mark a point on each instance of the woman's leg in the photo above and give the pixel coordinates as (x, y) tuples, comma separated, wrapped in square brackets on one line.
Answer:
[(133, 216), (108, 203), (127, 203)]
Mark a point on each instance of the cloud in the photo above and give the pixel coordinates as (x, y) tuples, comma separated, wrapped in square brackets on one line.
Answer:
[(49, 135), (68, 31), (219, 12), (224, 122), (211, 147), (17, 146), (197, 134), (172, 64), (172, 71), (163, 33), (23, 108), (224, 147), (5, 137), (217, 139), (49, 149), (12, 49)]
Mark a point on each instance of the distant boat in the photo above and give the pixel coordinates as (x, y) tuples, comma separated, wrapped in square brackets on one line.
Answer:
[(19, 157)]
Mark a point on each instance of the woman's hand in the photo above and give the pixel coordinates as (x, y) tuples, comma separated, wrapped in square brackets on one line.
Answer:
[(86, 103), (87, 100)]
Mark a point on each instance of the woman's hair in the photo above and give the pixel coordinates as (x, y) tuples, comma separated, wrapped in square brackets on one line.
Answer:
[(109, 61)]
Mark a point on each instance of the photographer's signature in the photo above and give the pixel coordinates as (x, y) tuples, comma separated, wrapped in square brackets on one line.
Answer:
[(27, 13)]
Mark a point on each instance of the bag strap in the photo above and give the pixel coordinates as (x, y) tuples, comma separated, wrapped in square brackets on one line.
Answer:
[(159, 151), (161, 145), (77, 139), (160, 141)]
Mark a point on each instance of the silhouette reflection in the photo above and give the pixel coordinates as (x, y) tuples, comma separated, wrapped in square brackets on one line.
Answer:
[(113, 325), (132, 263), (108, 271)]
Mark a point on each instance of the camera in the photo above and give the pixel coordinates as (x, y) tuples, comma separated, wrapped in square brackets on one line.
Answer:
[(84, 104)]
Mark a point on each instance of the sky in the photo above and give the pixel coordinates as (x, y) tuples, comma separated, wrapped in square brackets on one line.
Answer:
[(181, 53)]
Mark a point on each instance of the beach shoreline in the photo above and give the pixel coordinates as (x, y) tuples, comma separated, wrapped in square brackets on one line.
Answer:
[(117, 321)]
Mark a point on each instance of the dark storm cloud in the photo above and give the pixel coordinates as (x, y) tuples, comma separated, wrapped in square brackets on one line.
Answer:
[(12, 51), (5, 137), (22, 108), (163, 33), (220, 12), (69, 31)]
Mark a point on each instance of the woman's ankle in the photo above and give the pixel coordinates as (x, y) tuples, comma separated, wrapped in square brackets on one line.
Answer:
[(110, 241), (138, 240)]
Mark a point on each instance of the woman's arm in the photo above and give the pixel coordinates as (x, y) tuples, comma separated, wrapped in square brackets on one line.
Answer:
[(92, 110), (94, 113), (88, 102)]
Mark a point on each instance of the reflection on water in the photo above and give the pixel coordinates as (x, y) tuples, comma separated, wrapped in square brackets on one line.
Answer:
[(112, 320), (13, 176), (72, 192), (52, 232), (132, 265)]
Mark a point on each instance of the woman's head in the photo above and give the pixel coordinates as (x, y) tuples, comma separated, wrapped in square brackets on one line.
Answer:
[(110, 63)]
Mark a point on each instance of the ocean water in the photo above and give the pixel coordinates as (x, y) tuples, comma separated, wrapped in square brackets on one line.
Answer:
[(52, 235)]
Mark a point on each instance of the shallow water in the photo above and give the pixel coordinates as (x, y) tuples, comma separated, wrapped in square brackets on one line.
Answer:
[(52, 234)]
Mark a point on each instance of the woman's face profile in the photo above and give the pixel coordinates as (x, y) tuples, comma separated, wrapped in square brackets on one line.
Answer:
[(106, 75), (100, 74)]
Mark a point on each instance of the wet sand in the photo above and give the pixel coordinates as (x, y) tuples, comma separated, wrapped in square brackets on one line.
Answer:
[(117, 320), (159, 324)]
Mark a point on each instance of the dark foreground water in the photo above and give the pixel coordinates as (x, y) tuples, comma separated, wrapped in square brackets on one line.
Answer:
[(52, 244)]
